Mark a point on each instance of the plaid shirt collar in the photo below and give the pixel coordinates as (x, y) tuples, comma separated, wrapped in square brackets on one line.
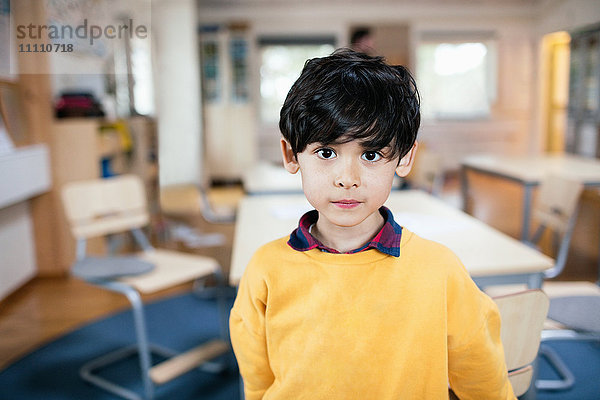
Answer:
[(386, 241)]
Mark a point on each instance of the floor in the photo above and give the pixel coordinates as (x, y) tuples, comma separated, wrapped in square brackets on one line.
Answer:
[(46, 308)]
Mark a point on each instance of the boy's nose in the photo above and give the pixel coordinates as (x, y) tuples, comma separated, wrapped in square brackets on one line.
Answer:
[(348, 175)]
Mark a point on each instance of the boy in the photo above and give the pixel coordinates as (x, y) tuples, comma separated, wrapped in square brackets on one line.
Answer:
[(351, 305)]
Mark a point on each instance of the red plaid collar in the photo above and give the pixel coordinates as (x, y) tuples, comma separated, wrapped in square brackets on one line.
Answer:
[(386, 241)]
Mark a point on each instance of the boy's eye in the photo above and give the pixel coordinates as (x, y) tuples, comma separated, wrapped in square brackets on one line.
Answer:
[(371, 156), (326, 154)]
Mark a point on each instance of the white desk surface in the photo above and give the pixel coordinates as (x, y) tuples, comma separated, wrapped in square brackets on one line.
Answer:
[(532, 169), (483, 250), (268, 178)]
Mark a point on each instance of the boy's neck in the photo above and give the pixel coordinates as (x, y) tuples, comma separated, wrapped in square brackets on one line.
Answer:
[(347, 238)]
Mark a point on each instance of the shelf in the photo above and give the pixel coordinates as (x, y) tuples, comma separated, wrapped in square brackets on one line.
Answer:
[(24, 174)]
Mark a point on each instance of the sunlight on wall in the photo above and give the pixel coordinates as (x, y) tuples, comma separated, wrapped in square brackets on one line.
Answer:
[(556, 55)]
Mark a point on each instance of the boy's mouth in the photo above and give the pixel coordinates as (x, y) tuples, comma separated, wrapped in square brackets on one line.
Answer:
[(346, 203)]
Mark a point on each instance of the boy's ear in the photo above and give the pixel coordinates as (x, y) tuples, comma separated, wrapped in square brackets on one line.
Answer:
[(289, 160), (406, 163)]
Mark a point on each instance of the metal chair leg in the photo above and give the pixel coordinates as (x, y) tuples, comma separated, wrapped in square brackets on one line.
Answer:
[(87, 371), (142, 348), (566, 381), (217, 292), (142, 340)]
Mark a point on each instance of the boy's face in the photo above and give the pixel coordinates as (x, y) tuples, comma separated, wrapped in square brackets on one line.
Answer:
[(345, 182)]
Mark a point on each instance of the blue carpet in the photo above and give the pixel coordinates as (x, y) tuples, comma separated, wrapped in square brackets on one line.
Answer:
[(583, 359), (178, 323)]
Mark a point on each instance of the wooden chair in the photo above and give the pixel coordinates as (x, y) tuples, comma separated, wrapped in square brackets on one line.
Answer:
[(101, 207), (522, 316), (556, 209)]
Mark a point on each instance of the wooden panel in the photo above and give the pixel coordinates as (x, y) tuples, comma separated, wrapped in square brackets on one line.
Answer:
[(36, 95), (77, 149), (76, 144)]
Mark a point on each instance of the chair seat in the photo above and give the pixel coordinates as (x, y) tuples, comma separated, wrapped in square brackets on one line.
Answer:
[(171, 268), (581, 313), (98, 268)]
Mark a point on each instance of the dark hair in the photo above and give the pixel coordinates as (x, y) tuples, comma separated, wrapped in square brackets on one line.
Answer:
[(358, 34), (352, 96)]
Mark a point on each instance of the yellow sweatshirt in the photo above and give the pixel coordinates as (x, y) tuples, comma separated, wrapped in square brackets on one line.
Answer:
[(315, 325)]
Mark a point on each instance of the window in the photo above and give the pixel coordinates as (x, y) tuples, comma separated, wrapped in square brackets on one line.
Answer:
[(209, 54), (282, 61), (238, 47), (456, 75)]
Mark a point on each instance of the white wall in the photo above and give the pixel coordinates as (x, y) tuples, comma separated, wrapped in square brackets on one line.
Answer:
[(565, 15), (177, 91)]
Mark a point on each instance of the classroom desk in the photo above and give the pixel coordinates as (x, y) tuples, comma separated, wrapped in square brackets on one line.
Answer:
[(529, 171), (490, 256), (267, 178)]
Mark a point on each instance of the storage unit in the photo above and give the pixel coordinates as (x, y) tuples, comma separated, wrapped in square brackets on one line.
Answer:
[(24, 174)]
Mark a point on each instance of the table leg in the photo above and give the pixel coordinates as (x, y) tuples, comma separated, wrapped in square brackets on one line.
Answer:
[(598, 281), (535, 281), (464, 186), (527, 198)]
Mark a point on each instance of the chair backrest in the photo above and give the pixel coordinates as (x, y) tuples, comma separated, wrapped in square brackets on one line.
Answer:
[(427, 173), (100, 207), (556, 208), (557, 201), (523, 315)]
